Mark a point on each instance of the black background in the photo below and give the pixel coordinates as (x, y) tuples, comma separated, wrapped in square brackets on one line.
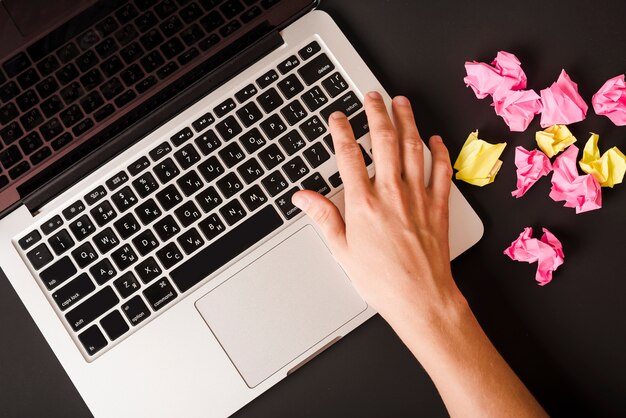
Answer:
[(566, 341)]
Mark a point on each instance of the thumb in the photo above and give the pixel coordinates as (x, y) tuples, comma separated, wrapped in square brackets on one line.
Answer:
[(325, 215)]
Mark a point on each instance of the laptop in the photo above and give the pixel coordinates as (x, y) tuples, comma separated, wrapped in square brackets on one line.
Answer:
[(149, 150)]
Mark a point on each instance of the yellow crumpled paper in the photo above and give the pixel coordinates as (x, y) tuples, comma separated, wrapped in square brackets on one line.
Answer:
[(608, 169), (478, 161), (554, 139)]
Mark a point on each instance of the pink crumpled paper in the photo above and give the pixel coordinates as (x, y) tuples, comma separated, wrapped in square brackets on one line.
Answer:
[(531, 166), (504, 80), (580, 192), (562, 104), (610, 100), (548, 252)]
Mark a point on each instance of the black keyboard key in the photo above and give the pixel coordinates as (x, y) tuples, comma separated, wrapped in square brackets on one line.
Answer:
[(169, 197), (274, 183), (349, 103), (171, 48), (138, 166), (9, 91), (254, 198), (295, 169), (182, 136), (91, 102), (191, 13), (208, 142), (292, 142), (145, 184), (187, 156), (126, 284), (146, 84), (93, 340), (51, 225), (148, 270), (102, 271), (61, 242), (309, 50), (288, 209), (335, 85), (40, 155), (335, 179), (360, 125), (92, 308), (314, 98), (88, 39), (29, 240), (117, 180), (249, 114), (128, 34), (312, 128), (27, 100), (294, 112), (124, 199), (28, 78), (166, 228), (229, 185), (267, 79), (129, 54), (106, 240), (47, 87), (289, 64), (84, 255), (271, 156), (73, 210), (68, 52), (211, 169), (151, 39), (73, 292), (250, 171), (160, 294), (211, 226), (144, 5), (165, 8), (114, 325), (160, 150), (47, 65), (229, 28), (190, 241), (246, 93), (112, 66), (4, 180), (148, 211), (232, 212), (270, 100), (11, 133), (169, 255), (57, 273), (51, 106), (290, 86), (212, 21), (203, 122), (222, 109), (18, 170), (213, 257), (127, 226), (231, 8), (250, 14), (95, 195), (190, 183), (273, 126), (125, 98), (316, 69), (187, 214), (146, 21), (187, 56), (232, 155), (86, 61), (228, 128), (16, 64), (8, 113), (39, 256), (145, 242), (71, 116), (51, 129), (103, 213), (316, 155), (61, 141), (167, 70), (152, 61), (316, 183), (82, 227), (126, 13), (209, 199), (252, 141), (171, 26), (135, 310), (67, 74), (107, 26), (124, 257), (209, 42), (166, 170)]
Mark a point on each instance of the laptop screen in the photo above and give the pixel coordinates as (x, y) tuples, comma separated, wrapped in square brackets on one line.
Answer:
[(81, 76)]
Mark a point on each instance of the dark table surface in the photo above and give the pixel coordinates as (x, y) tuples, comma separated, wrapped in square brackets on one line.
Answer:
[(567, 340)]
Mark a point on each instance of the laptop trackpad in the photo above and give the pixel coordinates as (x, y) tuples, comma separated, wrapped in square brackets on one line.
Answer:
[(280, 306)]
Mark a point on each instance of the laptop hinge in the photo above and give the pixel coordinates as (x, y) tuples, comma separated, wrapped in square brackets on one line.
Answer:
[(82, 161)]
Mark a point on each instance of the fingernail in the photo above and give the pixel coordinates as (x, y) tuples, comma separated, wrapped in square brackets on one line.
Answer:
[(374, 95), (337, 116), (300, 201), (401, 101), (436, 138)]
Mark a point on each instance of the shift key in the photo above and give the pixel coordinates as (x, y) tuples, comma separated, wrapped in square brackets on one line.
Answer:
[(92, 308)]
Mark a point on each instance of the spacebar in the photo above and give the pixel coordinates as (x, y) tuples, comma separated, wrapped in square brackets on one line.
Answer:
[(226, 248)]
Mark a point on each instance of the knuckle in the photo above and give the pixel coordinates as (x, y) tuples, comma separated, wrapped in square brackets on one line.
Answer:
[(413, 143), (349, 150), (385, 134)]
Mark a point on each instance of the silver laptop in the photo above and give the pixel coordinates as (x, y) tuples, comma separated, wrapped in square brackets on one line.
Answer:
[(149, 153)]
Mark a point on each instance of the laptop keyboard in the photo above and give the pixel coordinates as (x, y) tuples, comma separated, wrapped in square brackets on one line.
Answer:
[(48, 99), (161, 225)]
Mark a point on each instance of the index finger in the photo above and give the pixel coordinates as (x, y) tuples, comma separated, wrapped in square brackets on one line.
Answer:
[(348, 154)]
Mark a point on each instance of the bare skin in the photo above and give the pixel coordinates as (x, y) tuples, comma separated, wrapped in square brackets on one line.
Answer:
[(393, 243)]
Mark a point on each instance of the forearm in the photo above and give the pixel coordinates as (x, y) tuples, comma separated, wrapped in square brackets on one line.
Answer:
[(471, 376)]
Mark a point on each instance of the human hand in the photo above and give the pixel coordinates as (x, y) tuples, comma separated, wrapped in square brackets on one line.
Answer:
[(393, 242)]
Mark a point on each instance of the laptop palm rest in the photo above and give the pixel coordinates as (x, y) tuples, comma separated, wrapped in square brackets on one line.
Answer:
[(280, 306)]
